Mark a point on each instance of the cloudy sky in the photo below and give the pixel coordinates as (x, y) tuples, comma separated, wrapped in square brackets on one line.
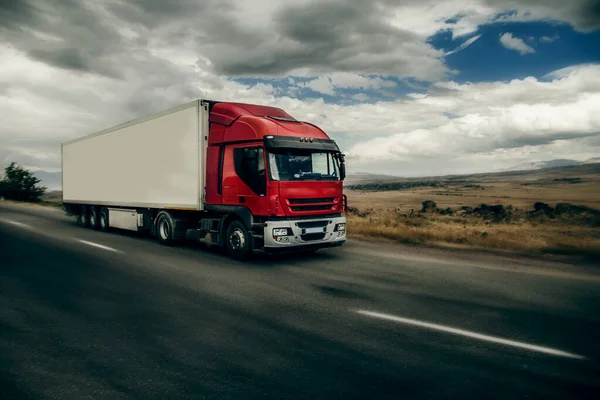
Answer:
[(406, 87)]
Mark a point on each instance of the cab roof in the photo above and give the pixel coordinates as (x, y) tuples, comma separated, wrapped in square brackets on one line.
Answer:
[(227, 113), (256, 121)]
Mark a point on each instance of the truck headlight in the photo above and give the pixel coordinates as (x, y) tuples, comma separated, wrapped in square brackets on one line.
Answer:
[(281, 232), (340, 227)]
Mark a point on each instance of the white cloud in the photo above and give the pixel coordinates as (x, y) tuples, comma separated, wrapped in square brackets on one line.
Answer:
[(491, 117), (360, 97), (549, 39), (328, 84), (514, 43), (463, 46), (321, 84)]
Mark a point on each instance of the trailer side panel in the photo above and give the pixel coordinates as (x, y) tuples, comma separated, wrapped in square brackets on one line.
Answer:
[(157, 162)]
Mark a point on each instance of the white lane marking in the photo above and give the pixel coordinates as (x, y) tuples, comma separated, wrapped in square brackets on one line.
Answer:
[(16, 223), (100, 246), (472, 335)]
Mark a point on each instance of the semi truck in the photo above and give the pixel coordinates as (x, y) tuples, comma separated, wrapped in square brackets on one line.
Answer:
[(247, 178)]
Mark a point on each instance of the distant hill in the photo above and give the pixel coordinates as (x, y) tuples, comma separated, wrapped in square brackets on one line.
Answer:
[(366, 176), (569, 174), (592, 160), (532, 166)]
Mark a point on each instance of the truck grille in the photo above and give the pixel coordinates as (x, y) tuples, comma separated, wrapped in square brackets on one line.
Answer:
[(311, 208), (312, 204), (312, 201)]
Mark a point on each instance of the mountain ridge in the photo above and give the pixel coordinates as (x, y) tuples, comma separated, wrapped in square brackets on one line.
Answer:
[(560, 162)]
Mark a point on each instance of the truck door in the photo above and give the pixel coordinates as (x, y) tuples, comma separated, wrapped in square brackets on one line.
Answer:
[(244, 177)]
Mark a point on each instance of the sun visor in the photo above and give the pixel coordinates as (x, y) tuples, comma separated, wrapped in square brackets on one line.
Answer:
[(299, 143)]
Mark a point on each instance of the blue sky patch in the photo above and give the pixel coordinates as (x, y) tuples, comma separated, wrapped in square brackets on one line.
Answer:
[(488, 60)]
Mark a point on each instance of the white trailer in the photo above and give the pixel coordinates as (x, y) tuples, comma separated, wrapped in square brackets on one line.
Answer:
[(153, 162)]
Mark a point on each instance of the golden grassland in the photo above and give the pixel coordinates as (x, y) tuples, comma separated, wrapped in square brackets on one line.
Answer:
[(471, 232), (387, 215)]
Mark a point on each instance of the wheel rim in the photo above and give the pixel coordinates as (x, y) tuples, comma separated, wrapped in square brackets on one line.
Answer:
[(164, 229), (102, 221), (92, 218), (237, 240)]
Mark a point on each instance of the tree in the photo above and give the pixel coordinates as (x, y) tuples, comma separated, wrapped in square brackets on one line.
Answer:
[(20, 184)]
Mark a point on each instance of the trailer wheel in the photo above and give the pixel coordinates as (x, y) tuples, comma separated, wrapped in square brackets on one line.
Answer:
[(104, 219), (83, 218), (94, 218), (164, 229), (237, 241)]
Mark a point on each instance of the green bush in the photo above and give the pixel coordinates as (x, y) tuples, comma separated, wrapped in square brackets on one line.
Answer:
[(20, 184)]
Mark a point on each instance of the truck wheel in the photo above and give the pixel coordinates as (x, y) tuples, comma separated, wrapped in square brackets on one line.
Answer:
[(164, 229), (237, 241), (94, 218), (104, 219), (83, 218)]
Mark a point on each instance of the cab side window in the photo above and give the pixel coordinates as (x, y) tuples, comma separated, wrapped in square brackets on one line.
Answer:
[(250, 167)]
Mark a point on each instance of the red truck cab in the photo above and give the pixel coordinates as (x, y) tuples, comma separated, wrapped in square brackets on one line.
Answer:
[(282, 177)]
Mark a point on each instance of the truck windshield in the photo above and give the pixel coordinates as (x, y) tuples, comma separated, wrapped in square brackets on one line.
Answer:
[(290, 165)]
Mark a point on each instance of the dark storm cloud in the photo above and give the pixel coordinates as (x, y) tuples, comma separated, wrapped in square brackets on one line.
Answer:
[(335, 36), (62, 58), (154, 13), (67, 34), (590, 15), (13, 13)]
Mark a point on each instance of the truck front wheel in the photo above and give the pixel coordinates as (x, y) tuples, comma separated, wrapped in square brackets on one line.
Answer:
[(237, 241), (164, 229)]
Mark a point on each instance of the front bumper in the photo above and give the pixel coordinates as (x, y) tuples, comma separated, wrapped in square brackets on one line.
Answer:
[(304, 234)]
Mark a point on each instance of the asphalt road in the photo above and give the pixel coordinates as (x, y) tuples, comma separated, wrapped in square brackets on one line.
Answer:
[(91, 315)]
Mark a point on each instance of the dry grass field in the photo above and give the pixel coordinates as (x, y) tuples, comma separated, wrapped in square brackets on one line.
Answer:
[(377, 212)]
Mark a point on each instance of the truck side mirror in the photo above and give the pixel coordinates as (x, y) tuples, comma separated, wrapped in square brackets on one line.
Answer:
[(341, 158)]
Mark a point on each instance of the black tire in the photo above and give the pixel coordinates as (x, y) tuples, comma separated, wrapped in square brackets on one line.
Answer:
[(237, 241), (165, 229), (94, 218), (80, 219), (83, 218), (103, 223)]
